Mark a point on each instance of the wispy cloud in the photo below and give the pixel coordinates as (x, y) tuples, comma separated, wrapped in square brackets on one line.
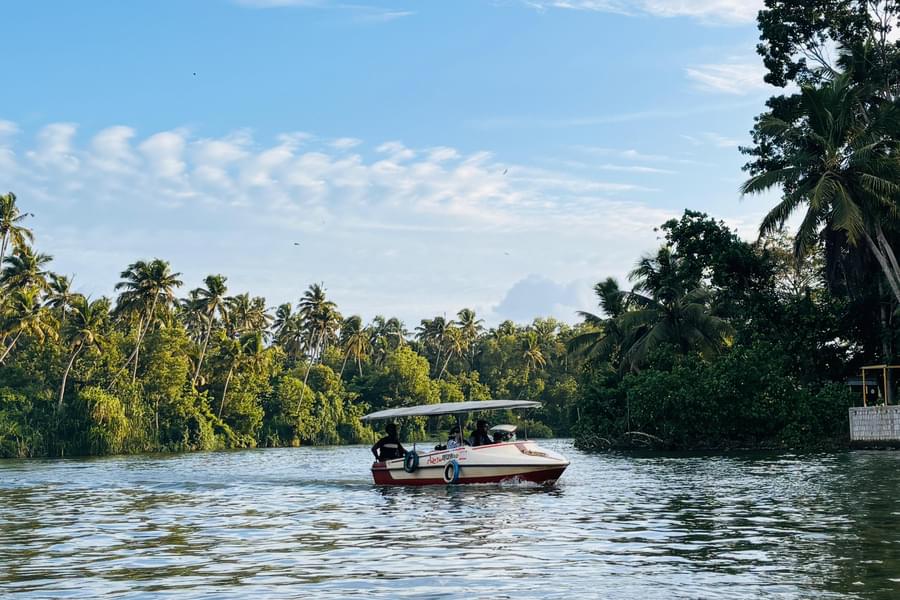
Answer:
[(298, 177), (705, 11), (735, 78), (653, 114), (711, 138), (362, 13)]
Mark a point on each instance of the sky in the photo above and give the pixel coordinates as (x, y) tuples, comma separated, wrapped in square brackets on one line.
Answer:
[(416, 157)]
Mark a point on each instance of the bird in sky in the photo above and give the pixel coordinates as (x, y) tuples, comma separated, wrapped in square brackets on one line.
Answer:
[(296, 243), (505, 170)]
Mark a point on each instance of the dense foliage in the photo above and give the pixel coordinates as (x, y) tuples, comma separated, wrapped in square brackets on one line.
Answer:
[(151, 370)]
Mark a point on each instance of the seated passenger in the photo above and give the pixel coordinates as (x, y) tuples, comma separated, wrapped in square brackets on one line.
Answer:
[(455, 440), (480, 436), (388, 447)]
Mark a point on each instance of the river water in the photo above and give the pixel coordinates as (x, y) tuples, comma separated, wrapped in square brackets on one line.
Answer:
[(308, 523)]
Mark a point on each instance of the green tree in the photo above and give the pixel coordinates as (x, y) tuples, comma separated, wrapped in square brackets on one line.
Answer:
[(837, 160), (28, 316), (209, 303), (11, 230), (83, 332), (147, 289)]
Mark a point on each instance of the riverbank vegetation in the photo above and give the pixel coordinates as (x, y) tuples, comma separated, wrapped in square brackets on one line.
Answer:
[(165, 367)]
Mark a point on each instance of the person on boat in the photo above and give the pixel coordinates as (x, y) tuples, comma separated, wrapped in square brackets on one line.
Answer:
[(388, 447), (455, 439), (481, 437)]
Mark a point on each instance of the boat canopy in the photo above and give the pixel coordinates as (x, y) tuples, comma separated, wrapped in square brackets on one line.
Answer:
[(449, 408)]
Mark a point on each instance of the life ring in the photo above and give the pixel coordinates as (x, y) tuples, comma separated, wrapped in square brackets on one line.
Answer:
[(410, 461), (451, 472)]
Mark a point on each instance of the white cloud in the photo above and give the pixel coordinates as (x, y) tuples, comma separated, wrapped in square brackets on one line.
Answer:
[(735, 78), (111, 150), (199, 200), (706, 11), (164, 153), (8, 129), (345, 143), (361, 13), (54, 148)]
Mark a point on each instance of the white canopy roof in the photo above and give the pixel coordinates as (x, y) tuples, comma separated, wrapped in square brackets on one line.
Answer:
[(449, 408)]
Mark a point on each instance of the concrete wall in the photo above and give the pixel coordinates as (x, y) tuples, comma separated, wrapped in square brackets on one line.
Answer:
[(875, 423)]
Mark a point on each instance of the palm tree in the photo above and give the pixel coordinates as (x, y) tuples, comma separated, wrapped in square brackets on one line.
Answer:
[(320, 320), (25, 268), (147, 288), (210, 302), (455, 343), (837, 158), (531, 351), (320, 317), (355, 340), (60, 295), (666, 313), (247, 349), (83, 331), (10, 229), (604, 336), (289, 331), (471, 327), (26, 315)]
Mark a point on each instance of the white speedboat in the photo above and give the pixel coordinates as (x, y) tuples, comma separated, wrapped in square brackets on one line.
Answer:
[(521, 460)]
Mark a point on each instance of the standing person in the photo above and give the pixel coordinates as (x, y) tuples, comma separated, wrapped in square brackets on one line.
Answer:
[(481, 437), (388, 447)]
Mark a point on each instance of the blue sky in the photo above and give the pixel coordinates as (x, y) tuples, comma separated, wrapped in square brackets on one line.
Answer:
[(415, 156)]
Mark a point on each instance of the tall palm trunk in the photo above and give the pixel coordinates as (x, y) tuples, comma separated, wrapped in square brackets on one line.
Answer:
[(141, 335), (3, 249), (886, 259), (10, 347), (344, 364), (225, 390), (446, 362), (62, 387), (202, 352)]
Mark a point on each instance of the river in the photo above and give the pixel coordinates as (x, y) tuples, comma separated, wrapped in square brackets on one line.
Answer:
[(308, 523)]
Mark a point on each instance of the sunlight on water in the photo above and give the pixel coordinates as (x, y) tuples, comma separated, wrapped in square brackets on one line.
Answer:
[(309, 523)]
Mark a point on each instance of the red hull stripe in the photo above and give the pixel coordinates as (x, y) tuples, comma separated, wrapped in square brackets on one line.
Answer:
[(383, 477)]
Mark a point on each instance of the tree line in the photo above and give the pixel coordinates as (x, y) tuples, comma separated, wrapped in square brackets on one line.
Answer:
[(157, 368)]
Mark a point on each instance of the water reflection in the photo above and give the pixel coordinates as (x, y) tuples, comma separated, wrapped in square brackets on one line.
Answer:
[(309, 523)]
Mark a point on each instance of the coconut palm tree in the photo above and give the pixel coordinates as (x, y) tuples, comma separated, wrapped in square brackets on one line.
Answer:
[(604, 336), (837, 158), (664, 312), (356, 341), (248, 349), (471, 327), (60, 296), (531, 351), (320, 320), (209, 303), (25, 268), (27, 315), (10, 229), (83, 332), (148, 288), (454, 343)]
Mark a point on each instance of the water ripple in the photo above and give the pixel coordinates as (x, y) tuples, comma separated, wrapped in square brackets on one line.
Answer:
[(309, 523)]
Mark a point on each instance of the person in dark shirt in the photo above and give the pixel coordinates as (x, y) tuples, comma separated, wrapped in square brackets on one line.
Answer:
[(481, 437), (388, 447)]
